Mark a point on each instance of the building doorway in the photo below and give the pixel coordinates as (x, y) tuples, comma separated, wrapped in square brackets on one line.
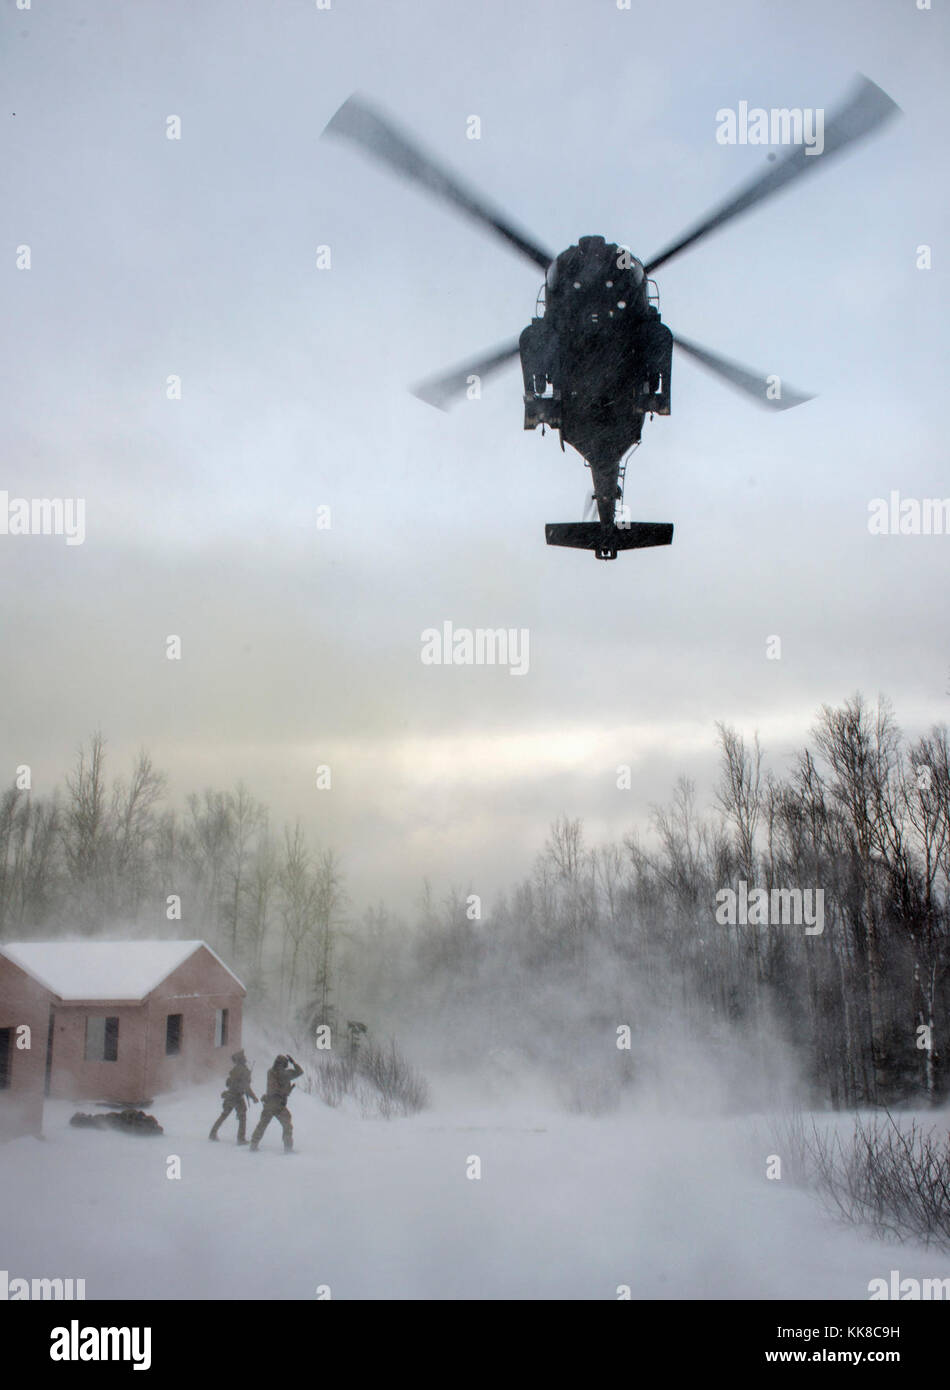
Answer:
[(49, 1052), (6, 1057)]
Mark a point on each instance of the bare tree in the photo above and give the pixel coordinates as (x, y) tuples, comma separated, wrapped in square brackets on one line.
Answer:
[(861, 749), (262, 885), (739, 793), (85, 832), (133, 827), (208, 845), (246, 817), (298, 905), (329, 900)]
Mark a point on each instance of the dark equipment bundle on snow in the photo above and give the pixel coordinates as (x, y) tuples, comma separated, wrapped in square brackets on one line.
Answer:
[(128, 1121)]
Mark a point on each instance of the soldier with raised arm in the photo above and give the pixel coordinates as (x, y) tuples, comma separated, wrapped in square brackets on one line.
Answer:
[(280, 1081)]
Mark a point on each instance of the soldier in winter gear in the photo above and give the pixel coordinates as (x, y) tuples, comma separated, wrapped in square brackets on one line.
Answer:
[(237, 1086), (280, 1081)]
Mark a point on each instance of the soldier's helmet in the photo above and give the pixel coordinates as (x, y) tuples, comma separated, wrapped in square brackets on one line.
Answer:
[(281, 1061), (238, 1056)]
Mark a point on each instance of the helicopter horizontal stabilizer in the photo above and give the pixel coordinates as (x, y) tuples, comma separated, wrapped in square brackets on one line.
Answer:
[(607, 540)]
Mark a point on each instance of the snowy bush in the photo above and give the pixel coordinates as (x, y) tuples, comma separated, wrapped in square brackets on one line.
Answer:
[(378, 1076), (893, 1178), (389, 1084), (331, 1078)]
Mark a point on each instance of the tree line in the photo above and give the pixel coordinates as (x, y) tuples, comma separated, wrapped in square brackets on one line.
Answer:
[(594, 940), (105, 853)]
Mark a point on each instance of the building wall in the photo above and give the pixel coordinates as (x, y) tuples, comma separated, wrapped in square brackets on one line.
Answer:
[(73, 1078), (23, 1001), (142, 1069), (196, 990)]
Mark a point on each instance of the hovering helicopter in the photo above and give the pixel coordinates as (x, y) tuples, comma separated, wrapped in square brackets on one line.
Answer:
[(597, 357)]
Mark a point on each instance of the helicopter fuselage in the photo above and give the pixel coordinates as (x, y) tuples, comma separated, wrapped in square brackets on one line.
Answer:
[(598, 360)]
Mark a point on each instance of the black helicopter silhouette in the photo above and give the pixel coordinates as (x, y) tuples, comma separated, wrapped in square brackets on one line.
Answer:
[(597, 357)]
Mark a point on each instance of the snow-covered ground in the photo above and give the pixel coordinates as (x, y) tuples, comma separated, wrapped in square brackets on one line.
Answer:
[(566, 1207)]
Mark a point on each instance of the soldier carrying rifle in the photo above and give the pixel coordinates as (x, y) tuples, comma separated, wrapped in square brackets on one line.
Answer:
[(237, 1086)]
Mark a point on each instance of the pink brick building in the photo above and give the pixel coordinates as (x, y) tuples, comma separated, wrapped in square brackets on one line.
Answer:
[(111, 1021), (24, 1028)]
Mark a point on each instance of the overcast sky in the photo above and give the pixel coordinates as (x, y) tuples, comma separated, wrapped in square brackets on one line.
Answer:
[(197, 258)]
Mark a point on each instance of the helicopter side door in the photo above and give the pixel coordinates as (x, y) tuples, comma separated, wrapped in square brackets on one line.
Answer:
[(538, 346), (655, 350)]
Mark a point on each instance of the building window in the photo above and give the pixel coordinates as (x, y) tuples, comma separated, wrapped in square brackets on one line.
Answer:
[(102, 1039), (220, 1027), (173, 1035), (6, 1057)]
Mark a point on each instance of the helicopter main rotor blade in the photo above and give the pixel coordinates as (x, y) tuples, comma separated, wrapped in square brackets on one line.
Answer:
[(866, 109), (360, 123), (754, 384), (441, 391)]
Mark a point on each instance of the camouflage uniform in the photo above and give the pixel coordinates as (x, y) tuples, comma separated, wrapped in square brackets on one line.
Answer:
[(280, 1080), (237, 1086)]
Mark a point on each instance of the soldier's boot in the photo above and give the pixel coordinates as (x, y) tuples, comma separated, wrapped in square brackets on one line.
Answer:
[(215, 1127)]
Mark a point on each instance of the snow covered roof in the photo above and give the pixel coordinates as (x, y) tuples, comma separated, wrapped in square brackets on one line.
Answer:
[(76, 970)]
